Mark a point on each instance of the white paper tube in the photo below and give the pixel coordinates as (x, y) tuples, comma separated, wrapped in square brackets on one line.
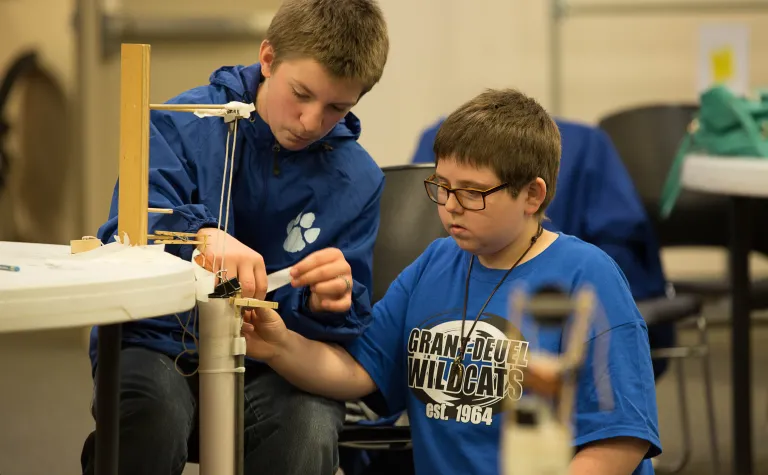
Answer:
[(218, 329)]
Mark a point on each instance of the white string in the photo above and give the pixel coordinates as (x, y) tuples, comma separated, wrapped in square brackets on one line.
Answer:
[(185, 331), (229, 190), (229, 161), (221, 199)]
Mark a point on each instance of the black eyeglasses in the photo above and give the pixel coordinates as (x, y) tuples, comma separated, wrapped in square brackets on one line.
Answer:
[(469, 198)]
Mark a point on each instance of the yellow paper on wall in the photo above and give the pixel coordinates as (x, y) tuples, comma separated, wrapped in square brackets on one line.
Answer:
[(721, 61), (723, 57)]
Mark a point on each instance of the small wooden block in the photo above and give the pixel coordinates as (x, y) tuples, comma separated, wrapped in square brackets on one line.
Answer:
[(252, 303), (82, 245)]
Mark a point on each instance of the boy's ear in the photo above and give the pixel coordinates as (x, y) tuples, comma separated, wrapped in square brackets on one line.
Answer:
[(534, 193), (266, 58)]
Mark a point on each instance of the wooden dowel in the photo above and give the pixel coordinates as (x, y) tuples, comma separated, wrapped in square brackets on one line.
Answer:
[(134, 143), (160, 210), (186, 107)]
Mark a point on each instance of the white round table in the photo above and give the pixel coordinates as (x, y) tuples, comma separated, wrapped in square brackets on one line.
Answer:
[(726, 175), (743, 179), (106, 287), (112, 284)]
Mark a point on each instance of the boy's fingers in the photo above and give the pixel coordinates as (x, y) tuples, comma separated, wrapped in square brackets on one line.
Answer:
[(206, 262), (316, 276), (336, 306), (248, 315), (324, 273), (314, 260), (260, 276), (247, 280), (265, 315), (335, 287)]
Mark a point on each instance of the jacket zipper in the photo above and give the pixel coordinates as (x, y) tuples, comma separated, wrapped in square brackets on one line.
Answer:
[(275, 162)]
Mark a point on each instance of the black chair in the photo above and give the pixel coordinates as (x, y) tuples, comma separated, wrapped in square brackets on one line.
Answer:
[(409, 224), (647, 139)]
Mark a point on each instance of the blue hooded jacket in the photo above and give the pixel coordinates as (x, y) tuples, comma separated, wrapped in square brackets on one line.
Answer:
[(284, 205)]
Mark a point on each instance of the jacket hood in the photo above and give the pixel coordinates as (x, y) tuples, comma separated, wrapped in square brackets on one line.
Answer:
[(242, 82)]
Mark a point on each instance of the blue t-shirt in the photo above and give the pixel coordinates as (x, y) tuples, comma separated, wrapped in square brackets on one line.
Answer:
[(409, 348)]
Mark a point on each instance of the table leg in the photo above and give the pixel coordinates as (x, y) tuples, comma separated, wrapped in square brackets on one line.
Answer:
[(741, 237), (108, 399)]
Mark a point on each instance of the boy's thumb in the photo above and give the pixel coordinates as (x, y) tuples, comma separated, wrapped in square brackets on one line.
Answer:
[(264, 315)]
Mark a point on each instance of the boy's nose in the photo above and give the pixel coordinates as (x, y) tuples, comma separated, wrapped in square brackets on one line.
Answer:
[(452, 204), (312, 121)]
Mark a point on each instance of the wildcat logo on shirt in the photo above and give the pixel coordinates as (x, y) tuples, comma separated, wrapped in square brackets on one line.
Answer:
[(492, 369)]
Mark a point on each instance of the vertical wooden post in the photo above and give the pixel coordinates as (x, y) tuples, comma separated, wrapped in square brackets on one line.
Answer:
[(134, 143)]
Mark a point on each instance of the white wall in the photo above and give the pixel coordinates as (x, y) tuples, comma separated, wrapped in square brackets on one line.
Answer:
[(445, 51), (442, 53)]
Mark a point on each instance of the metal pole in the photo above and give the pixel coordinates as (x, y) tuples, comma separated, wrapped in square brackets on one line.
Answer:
[(665, 7), (126, 28), (557, 12), (741, 353)]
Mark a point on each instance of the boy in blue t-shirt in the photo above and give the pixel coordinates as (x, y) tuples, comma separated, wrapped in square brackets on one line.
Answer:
[(497, 163)]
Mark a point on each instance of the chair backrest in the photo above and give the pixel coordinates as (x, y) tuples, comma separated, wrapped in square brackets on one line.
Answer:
[(647, 139), (409, 223)]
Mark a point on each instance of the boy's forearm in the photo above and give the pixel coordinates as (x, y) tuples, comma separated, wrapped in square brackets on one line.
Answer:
[(321, 368), (619, 456)]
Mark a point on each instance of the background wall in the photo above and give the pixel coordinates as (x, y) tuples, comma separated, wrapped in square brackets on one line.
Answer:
[(443, 52)]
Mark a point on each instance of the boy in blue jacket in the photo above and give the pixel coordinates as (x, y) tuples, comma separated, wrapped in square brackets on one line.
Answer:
[(437, 346), (303, 190)]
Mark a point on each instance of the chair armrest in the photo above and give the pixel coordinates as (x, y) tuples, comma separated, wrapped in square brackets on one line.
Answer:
[(669, 310)]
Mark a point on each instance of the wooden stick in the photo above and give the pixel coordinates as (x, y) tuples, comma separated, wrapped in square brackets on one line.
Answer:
[(252, 303), (174, 233), (134, 143), (175, 241), (186, 107), (160, 210)]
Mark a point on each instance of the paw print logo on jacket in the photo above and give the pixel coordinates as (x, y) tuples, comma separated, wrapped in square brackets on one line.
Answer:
[(300, 232)]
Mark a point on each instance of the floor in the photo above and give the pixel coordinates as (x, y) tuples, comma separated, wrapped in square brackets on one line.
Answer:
[(46, 390)]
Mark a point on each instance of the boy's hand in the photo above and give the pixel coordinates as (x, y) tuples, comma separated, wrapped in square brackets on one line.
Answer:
[(239, 261), (265, 333), (329, 277)]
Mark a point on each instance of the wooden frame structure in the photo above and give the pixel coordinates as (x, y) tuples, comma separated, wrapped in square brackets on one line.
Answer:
[(133, 184), (219, 311), (132, 217)]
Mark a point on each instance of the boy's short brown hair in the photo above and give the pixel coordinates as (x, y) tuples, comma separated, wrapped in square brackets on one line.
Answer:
[(347, 37), (508, 132)]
